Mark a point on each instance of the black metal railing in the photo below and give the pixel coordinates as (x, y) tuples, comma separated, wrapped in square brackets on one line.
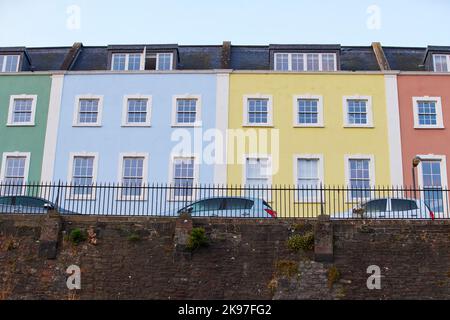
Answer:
[(240, 201)]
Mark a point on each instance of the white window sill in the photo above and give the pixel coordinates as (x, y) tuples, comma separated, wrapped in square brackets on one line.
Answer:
[(264, 125), (310, 125), (186, 125), (143, 125), (20, 125), (131, 198), (429, 127), (87, 125), (84, 198), (359, 126)]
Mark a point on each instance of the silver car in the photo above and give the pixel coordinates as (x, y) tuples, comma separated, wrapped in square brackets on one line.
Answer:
[(389, 208), (239, 207)]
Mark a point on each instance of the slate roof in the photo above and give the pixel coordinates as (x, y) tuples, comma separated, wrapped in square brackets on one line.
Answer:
[(242, 57), (405, 59)]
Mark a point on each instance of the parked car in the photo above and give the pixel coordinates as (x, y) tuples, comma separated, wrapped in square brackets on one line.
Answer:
[(27, 204), (389, 208), (240, 207)]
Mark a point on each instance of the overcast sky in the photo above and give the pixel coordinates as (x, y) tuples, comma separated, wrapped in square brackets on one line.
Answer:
[(37, 23)]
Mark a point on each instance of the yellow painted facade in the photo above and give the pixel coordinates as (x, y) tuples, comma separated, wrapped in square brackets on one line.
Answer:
[(333, 141)]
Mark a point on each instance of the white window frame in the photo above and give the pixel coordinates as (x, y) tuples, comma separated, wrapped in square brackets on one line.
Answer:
[(77, 108), (439, 119), (444, 182), (27, 156), (433, 157), (12, 98), (157, 61), (143, 195), (256, 156), (447, 56), (269, 99), (5, 57), (369, 111), (318, 157), (127, 57), (198, 110), (270, 177), (148, 121), (319, 99), (174, 157), (305, 63), (347, 159), (72, 156)]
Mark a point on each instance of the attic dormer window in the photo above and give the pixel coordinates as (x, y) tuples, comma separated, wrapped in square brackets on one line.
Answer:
[(159, 61), (441, 62), (305, 61), (9, 63), (126, 61)]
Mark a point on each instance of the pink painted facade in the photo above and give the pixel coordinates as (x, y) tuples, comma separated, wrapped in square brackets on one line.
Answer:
[(431, 140)]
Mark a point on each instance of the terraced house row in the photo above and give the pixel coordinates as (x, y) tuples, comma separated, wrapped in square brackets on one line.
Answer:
[(327, 114)]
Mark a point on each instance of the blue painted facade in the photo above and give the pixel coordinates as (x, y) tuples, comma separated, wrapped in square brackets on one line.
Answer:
[(112, 139)]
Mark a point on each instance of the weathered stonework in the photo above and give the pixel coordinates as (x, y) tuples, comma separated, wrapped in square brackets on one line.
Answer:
[(239, 263)]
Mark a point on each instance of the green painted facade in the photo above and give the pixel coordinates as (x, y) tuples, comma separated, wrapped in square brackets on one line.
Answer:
[(25, 138)]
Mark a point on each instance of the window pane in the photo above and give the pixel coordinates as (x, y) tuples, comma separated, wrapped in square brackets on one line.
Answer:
[(233, 204), (257, 171), (22, 110), (134, 61), (257, 111), (164, 60), (186, 110), (1, 63), (30, 202), (88, 111), (137, 111), (207, 205), (82, 175), (432, 183), (132, 176), (375, 206), (6, 200), (11, 63), (359, 178), (119, 61), (427, 112), (282, 61), (183, 177), (312, 62), (403, 205), (328, 62), (14, 175), (307, 111), (297, 62), (357, 111), (440, 62)]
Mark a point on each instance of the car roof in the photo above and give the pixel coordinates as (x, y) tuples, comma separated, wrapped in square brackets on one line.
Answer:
[(20, 196), (394, 198), (228, 197)]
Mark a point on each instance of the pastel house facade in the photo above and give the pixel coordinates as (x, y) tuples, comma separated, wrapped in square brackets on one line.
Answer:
[(286, 115)]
